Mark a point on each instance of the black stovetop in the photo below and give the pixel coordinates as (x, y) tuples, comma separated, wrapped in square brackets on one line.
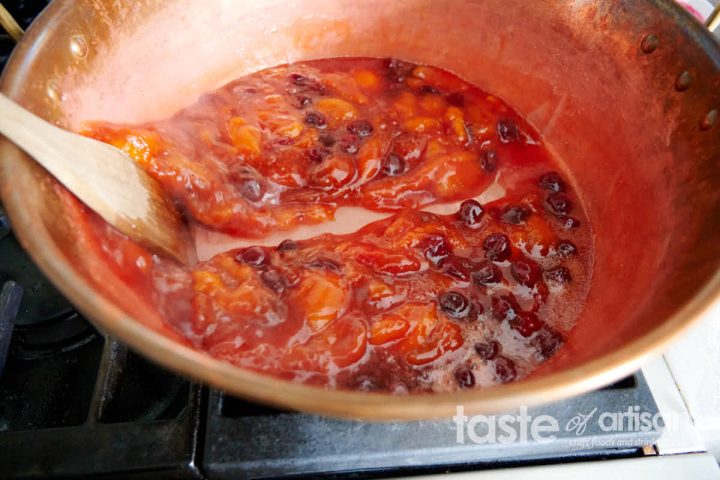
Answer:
[(24, 12), (75, 403)]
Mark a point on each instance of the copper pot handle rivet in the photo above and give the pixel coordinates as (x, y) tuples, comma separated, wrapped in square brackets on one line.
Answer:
[(683, 81), (709, 120), (649, 43)]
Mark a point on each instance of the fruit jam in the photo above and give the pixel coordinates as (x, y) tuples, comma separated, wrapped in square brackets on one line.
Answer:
[(415, 302)]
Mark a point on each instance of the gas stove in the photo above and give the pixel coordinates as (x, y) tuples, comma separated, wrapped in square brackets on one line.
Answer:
[(77, 403)]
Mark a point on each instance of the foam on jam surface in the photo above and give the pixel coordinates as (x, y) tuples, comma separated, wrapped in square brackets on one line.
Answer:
[(410, 303)]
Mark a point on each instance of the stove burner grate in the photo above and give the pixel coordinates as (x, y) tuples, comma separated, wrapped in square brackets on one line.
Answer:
[(61, 335), (10, 297)]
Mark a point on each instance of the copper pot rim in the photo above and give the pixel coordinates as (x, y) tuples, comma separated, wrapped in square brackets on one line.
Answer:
[(183, 359)]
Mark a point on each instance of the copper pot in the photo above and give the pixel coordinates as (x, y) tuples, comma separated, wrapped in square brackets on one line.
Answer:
[(625, 92)]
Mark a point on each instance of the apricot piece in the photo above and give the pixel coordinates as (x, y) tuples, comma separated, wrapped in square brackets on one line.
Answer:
[(455, 117), (423, 72), (433, 105), (336, 110), (370, 159), (246, 138), (420, 124), (387, 329), (536, 234), (290, 130), (367, 79), (405, 106), (387, 262), (334, 172), (207, 282), (322, 298), (340, 345), (445, 338), (142, 147), (377, 291), (414, 82), (140, 144)]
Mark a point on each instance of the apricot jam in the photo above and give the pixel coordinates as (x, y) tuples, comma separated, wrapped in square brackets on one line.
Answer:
[(416, 302)]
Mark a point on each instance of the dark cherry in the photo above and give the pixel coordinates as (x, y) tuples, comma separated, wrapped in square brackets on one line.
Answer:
[(325, 264), (456, 99), (394, 165), (301, 101), (487, 273), (254, 256), (436, 248), (547, 341), (526, 323), (251, 189), (327, 140), (429, 89), (505, 307), (458, 267), (349, 144), (488, 160), (508, 131), (361, 128), (566, 249), (464, 376), (558, 204), (298, 79), (318, 154), (497, 247), (316, 119), (398, 70), (505, 370), (552, 182), (558, 276), (470, 213), (525, 272), (570, 223), (303, 83), (487, 350), (515, 214), (275, 280), (287, 245), (454, 304)]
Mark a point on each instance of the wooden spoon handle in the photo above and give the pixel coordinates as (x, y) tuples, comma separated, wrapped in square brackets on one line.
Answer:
[(103, 177), (72, 159)]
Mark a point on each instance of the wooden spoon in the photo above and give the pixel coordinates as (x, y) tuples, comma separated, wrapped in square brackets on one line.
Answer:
[(104, 178)]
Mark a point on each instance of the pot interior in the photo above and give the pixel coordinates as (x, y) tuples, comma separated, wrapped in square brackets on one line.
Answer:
[(582, 73)]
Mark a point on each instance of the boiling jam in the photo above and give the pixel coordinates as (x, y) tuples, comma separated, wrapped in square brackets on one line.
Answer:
[(418, 301)]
